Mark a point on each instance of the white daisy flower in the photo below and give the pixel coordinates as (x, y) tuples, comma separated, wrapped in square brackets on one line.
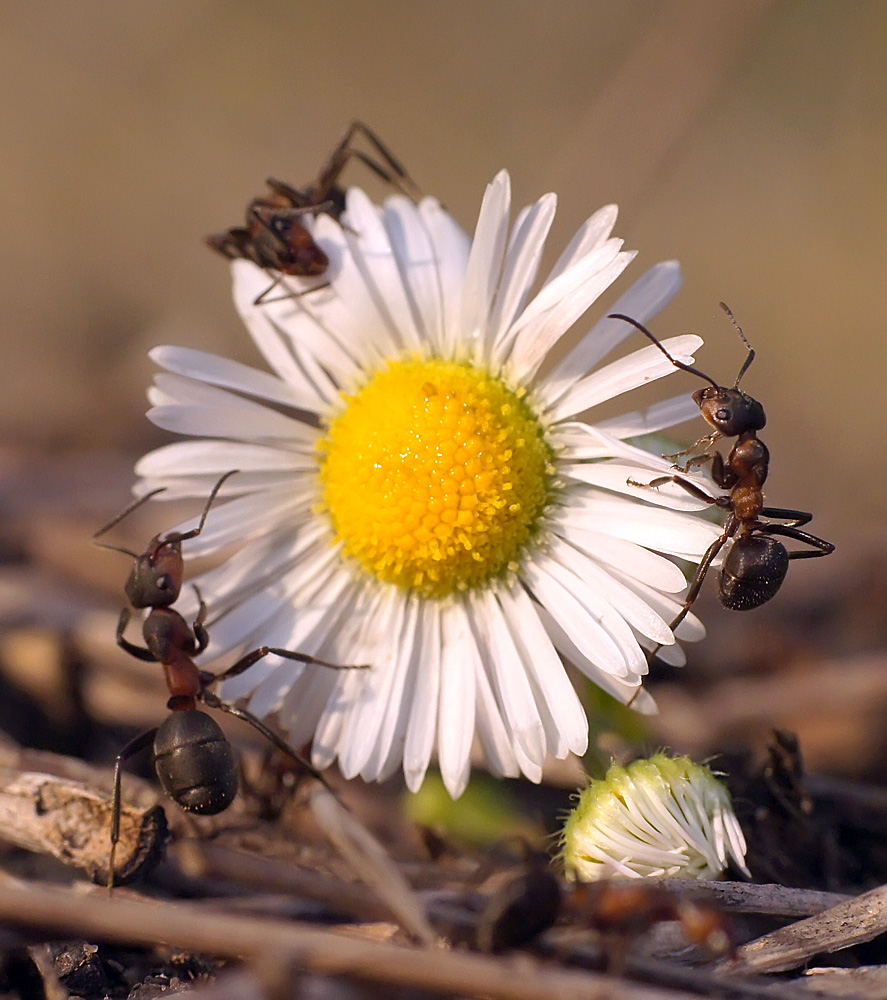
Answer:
[(417, 494), (656, 817)]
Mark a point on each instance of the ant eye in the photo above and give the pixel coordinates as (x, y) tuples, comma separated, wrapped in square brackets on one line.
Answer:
[(724, 415), (164, 582)]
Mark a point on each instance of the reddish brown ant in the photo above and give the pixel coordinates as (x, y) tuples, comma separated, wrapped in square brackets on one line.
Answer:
[(757, 562), (192, 757), (275, 239), (620, 912)]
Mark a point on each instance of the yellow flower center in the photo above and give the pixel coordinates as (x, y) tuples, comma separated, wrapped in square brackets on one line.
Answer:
[(435, 476)]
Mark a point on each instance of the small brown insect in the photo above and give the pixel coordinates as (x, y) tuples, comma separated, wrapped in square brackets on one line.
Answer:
[(274, 236)]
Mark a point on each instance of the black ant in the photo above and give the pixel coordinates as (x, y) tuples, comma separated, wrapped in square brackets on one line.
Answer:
[(192, 757), (275, 239), (757, 562)]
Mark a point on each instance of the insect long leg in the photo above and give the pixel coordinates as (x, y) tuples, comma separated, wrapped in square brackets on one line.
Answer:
[(214, 701), (820, 547), (245, 662), (130, 750)]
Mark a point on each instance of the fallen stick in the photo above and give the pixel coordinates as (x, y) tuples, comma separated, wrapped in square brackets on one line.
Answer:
[(53, 912), (71, 821), (852, 922)]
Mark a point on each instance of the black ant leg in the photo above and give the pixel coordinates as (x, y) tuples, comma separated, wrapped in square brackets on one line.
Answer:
[(396, 174), (214, 701), (701, 571), (820, 547), (137, 651), (685, 484), (705, 442), (245, 662), (130, 750), (795, 518), (200, 632), (261, 300)]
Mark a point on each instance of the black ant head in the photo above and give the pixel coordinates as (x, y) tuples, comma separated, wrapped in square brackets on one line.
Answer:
[(284, 243), (155, 580), (730, 411)]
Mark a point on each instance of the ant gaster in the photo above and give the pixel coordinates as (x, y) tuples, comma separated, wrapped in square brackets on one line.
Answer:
[(192, 757), (757, 562), (275, 239)]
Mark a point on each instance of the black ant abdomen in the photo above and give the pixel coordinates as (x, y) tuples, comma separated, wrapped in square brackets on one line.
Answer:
[(195, 763), (752, 572)]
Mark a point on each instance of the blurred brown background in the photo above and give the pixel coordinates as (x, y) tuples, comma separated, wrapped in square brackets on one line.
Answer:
[(748, 139)]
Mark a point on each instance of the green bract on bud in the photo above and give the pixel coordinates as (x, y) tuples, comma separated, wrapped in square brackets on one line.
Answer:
[(660, 816)]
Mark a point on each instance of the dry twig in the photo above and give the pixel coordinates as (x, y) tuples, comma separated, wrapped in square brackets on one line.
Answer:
[(852, 922)]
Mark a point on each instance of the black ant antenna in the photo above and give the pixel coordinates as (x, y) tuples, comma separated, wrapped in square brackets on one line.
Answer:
[(143, 499), (653, 338), (122, 516), (751, 351)]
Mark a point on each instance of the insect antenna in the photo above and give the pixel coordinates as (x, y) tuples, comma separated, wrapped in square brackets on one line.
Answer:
[(751, 351), (673, 360), (124, 514)]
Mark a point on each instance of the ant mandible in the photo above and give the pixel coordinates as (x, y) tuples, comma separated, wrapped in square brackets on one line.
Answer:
[(192, 757), (275, 239), (757, 562)]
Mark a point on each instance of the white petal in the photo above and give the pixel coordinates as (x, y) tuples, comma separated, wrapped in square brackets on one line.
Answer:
[(375, 257), (632, 559), (423, 713), (581, 285), (418, 264), (361, 633), (581, 625), (492, 733), (227, 374), (568, 568), (655, 528), (207, 411), (248, 517), (625, 691), (340, 328), (562, 713), (398, 699), (507, 673), (657, 417), (485, 260), (278, 349), (646, 297), (455, 723), (594, 232), (521, 266), (211, 458), (452, 246), (639, 368), (355, 317), (615, 476), (636, 612)]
